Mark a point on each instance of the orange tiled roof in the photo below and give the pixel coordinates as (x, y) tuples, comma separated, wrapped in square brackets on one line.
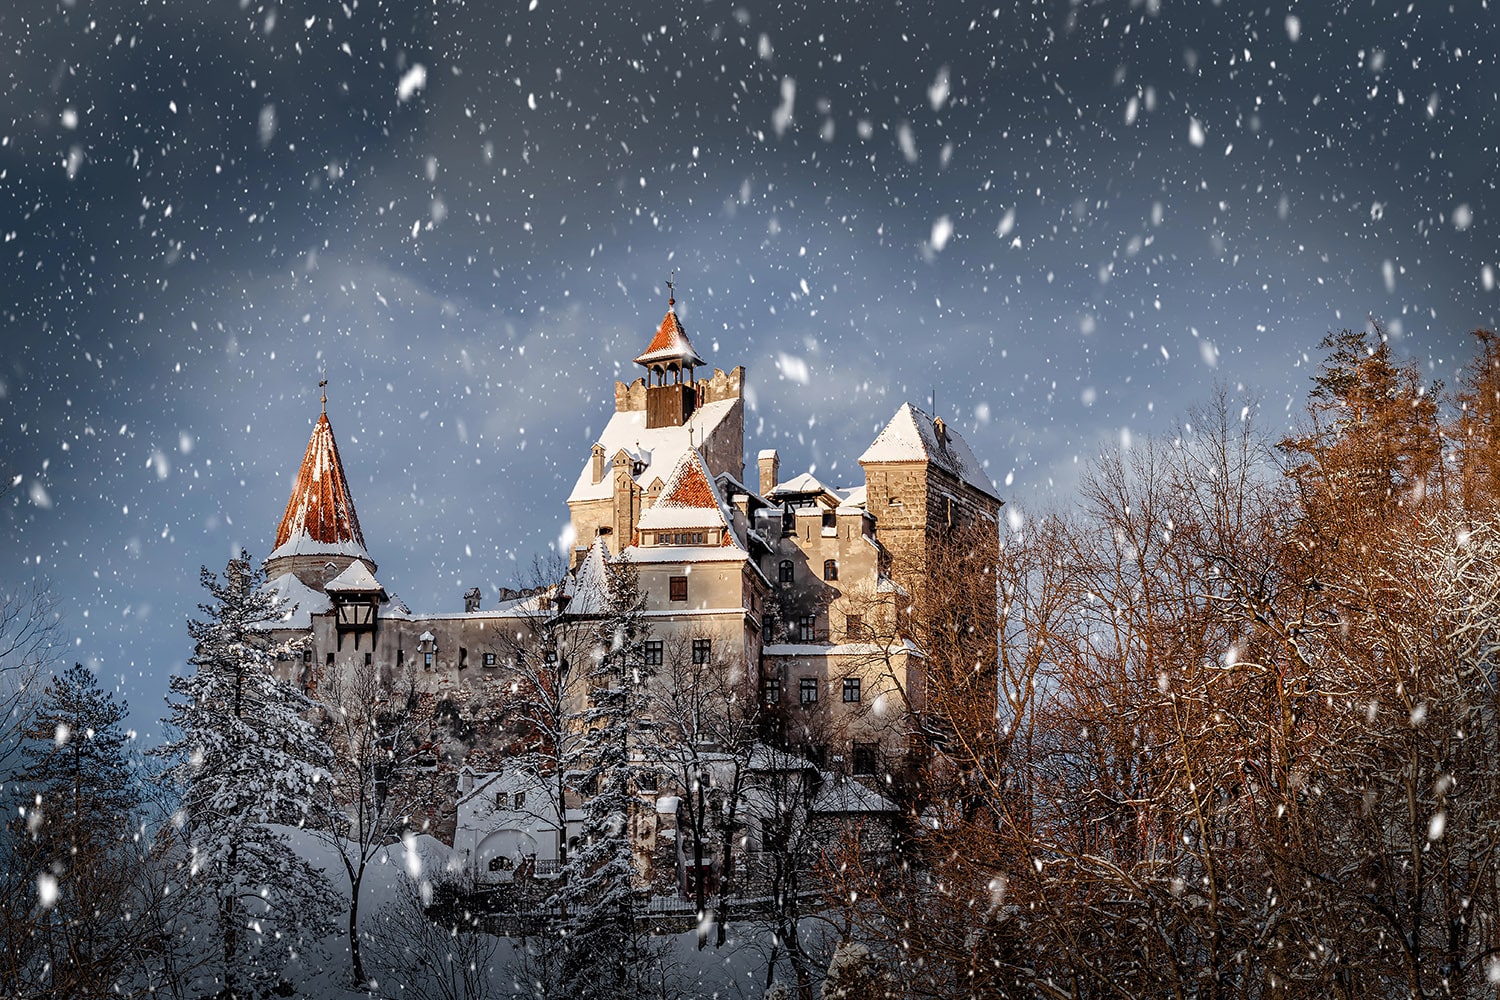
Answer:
[(320, 505), (670, 344)]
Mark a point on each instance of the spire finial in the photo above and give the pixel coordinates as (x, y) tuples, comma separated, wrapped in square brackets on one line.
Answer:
[(671, 298), (323, 385)]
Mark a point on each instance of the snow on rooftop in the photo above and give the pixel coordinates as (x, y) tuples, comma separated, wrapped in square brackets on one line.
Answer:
[(689, 499), (657, 449), (805, 483), (320, 517), (589, 585), (298, 602), (303, 544), (911, 436), (356, 578)]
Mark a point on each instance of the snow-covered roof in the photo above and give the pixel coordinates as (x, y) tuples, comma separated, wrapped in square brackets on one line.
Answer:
[(805, 483), (689, 499), (320, 517), (655, 449), (298, 602), (670, 344), (356, 578), (686, 553), (853, 499), (911, 436), (841, 795), (588, 587)]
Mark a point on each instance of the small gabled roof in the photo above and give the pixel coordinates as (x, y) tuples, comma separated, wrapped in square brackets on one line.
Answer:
[(355, 579), (670, 344), (913, 436), (320, 517), (800, 485), (689, 499)]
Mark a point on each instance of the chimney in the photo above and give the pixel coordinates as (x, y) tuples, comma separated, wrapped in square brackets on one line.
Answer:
[(466, 780), (770, 465), (598, 466)]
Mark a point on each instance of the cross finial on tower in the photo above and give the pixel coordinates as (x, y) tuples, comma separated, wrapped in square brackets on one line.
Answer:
[(323, 385), (671, 297)]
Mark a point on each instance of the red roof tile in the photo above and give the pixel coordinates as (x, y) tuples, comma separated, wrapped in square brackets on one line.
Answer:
[(320, 505)]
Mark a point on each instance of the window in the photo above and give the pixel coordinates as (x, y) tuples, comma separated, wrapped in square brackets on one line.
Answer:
[(369, 658), (807, 689), (788, 520), (307, 656), (680, 538), (866, 758), (519, 800), (463, 658), (830, 569), (854, 628), (501, 864), (701, 650), (679, 588), (499, 800), (773, 690), (807, 627), (830, 519), (653, 652), (646, 781), (489, 659), (427, 660), (550, 658), (784, 571), (851, 689)]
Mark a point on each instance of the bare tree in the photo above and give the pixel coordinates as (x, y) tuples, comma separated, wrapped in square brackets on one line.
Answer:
[(378, 737)]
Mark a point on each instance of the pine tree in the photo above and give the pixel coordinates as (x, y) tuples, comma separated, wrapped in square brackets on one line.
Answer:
[(77, 845), (601, 877), (246, 758)]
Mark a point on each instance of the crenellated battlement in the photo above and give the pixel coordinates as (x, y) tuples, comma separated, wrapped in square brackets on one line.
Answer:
[(723, 385)]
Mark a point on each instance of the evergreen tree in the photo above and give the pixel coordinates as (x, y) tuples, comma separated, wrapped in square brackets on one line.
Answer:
[(76, 846), (601, 877), (246, 757)]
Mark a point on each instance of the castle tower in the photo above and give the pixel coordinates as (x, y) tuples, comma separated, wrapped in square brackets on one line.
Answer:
[(319, 535), (669, 402), (657, 418)]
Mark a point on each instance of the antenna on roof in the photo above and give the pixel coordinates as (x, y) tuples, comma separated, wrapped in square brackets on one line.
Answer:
[(323, 385), (671, 299), (934, 401)]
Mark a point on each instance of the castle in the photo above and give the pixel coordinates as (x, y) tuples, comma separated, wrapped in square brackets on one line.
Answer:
[(795, 586)]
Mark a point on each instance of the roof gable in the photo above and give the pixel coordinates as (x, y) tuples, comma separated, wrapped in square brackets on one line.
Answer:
[(913, 436), (689, 499)]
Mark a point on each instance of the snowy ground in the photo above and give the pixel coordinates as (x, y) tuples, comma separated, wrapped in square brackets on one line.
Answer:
[(735, 972)]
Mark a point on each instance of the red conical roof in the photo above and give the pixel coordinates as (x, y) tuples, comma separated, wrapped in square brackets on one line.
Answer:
[(670, 344), (320, 515)]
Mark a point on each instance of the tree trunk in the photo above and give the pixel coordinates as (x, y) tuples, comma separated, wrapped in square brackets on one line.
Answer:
[(355, 962)]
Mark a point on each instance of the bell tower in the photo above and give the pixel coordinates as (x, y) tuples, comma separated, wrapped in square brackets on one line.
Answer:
[(669, 400)]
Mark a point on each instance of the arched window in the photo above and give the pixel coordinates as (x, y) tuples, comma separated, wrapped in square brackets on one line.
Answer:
[(830, 569), (784, 571)]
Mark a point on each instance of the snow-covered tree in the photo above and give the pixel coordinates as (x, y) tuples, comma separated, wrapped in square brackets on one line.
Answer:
[(607, 956), (247, 757)]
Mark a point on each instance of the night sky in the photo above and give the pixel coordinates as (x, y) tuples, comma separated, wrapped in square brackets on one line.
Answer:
[(1065, 221)]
